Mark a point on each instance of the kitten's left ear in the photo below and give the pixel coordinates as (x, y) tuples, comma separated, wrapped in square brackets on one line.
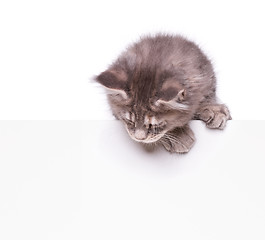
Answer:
[(114, 81), (175, 102)]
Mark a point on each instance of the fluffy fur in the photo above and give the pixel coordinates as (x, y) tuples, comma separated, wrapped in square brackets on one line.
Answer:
[(158, 85)]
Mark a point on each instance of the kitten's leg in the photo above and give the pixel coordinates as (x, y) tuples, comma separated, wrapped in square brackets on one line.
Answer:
[(214, 115), (179, 140)]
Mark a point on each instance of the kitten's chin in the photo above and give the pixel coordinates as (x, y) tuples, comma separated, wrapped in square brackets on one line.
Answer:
[(152, 140), (147, 140)]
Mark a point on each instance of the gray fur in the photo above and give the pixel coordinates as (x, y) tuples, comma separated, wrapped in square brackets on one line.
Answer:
[(161, 83)]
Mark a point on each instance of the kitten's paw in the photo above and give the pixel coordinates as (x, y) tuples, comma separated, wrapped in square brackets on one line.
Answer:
[(215, 116), (180, 140)]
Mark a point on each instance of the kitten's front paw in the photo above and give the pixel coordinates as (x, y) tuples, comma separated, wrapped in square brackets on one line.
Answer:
[(180, 140), (215, 116)]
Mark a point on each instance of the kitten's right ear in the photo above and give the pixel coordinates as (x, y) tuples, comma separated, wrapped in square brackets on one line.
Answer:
[(114, 81)]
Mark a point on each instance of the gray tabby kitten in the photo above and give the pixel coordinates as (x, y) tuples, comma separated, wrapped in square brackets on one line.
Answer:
[(158, 85)]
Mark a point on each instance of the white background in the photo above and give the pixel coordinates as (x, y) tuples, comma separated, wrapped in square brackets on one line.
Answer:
[(49, 51)]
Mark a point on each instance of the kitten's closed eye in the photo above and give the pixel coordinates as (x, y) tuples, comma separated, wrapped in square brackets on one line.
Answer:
[(156, 128), (130, 123), (129, 118)]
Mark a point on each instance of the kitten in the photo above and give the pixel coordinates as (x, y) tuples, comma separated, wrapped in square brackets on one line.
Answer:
[(158, 85)]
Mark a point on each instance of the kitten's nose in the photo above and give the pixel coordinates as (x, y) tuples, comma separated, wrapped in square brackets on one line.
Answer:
[(140, 134)]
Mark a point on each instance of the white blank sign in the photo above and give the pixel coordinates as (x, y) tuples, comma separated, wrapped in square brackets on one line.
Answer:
[(88, 180)]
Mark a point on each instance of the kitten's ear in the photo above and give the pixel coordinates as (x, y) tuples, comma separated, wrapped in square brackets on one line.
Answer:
[(172, 95), (176, 102), (114, 81)]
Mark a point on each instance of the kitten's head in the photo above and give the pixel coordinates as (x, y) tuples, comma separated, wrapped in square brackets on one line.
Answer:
[(148, 107)]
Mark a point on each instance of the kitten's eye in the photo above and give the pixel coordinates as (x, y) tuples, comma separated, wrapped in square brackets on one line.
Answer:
[(129, 122), (129, 118), (156, 128), (162, 124)]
